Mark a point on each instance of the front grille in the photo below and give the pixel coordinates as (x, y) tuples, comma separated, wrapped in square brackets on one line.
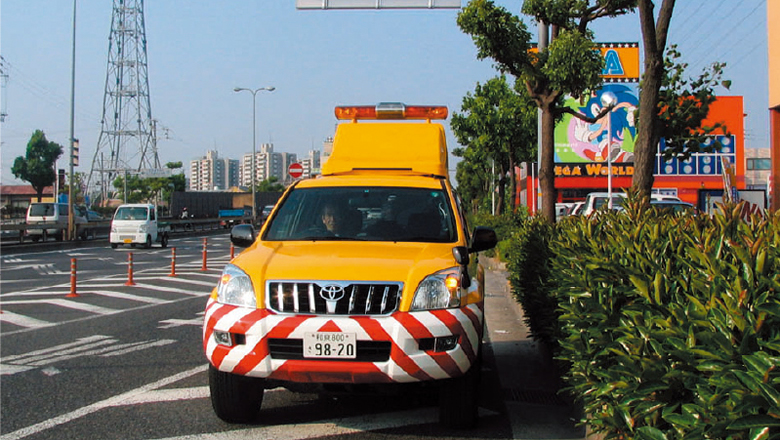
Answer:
[(334, 297), (367, 351)]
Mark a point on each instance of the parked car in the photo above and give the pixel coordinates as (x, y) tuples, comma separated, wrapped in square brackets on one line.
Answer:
[(674, 206), (596, 200), (94, 216), (46, 219)]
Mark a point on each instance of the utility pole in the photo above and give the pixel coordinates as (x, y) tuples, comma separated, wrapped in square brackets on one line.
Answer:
[(73, 142)]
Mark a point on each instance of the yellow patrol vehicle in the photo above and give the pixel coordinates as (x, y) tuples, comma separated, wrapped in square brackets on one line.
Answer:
[(360, 278)]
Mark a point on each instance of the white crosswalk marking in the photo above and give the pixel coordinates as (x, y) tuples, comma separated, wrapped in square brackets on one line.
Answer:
[(153, 285), (97, 345), (22, 321)]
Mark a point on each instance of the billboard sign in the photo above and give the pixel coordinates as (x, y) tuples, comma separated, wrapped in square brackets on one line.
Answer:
[(578, 142)]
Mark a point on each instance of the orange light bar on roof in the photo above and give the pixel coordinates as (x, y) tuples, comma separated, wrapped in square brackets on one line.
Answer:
[(391, 110)]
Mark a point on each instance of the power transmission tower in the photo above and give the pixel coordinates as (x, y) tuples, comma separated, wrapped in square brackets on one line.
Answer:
[(127, 142), (3, 92)]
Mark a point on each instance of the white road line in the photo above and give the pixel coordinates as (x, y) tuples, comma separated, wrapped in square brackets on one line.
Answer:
[(324, 428), (86, 291), (70, 304), (196, 282), (128, 296), (80, 341), (6, 370), (97, 406), (22, 321), (173, 289), (167, 396), (139, 346), (73, 353)]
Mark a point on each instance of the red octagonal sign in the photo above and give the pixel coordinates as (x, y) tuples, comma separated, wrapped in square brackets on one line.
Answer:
[(295, 170)]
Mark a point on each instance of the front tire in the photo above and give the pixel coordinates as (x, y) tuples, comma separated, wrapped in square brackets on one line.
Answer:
[(114, 245), (459, 399), (164, 241), (148, 242), (235, 399)]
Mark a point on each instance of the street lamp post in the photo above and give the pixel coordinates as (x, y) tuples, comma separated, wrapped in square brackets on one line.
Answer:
[(609, 100), (254, 141)]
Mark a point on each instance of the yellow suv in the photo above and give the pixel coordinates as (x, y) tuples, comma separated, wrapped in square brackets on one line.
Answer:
[(360, 276)]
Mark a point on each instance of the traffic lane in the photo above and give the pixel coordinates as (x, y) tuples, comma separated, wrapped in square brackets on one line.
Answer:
[(33, 270), (122, 352), (182, 409)]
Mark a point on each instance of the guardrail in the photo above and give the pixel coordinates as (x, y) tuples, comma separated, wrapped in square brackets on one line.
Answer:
[(16, 232)]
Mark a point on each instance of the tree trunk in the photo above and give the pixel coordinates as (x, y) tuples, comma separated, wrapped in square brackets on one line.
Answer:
[(512, 184), (501, 193), (547, 166), (648, 133)]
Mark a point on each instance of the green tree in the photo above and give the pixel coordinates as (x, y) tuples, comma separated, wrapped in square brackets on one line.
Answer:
[(37, 166), (571, 65), (497, 126), (173, 165), (269, 185)]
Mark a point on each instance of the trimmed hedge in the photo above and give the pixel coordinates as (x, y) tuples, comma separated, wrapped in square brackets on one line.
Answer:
[(670, 325)]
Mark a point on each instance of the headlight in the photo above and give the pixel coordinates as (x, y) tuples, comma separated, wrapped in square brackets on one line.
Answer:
[(440, 290), (235, 288), (142, 229), (113, 229)]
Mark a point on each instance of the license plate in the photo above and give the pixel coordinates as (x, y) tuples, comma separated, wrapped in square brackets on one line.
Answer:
[(128, 240), (332, 345)]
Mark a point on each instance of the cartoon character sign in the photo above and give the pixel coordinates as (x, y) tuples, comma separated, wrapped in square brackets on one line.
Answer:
[(580, 141)]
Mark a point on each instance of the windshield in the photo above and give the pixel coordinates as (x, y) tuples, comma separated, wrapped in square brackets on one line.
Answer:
[(598, 202), (364, 213), (42, 209), (131, 213)]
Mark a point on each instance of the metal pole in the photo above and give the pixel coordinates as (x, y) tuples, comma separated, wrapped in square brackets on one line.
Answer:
[(71, 224), (609, 101), (254, 156), (609, 159), (254, 140), (544, 38)]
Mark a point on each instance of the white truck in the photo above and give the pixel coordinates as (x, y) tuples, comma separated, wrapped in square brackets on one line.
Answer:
[(138, 223)]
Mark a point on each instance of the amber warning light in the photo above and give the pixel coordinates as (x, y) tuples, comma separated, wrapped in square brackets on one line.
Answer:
[(391, 110)]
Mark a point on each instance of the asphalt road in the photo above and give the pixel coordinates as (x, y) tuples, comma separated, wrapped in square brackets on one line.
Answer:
[(121, 361)]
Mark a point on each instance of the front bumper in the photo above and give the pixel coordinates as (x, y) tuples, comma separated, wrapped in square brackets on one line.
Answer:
[(256, 334), (126, 238)]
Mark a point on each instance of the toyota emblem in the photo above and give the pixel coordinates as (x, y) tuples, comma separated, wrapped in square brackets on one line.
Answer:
[(331, 293)]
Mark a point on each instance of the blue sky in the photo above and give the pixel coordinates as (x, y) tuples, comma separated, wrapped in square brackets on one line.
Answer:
[(199, 51)]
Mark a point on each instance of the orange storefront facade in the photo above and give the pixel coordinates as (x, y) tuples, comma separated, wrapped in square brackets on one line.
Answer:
[(582, 156)]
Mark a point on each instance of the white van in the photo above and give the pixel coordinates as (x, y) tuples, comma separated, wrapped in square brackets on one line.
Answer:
[(48, 219), (136, 223)]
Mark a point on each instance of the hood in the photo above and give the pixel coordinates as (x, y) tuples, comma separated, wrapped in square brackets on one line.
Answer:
[(344, 260)]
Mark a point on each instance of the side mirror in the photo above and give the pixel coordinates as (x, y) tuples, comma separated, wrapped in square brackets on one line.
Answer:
[(242, 235), (482, 239)]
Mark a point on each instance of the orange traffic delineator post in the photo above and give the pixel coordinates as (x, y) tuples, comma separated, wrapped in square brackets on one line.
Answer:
[(72, 293), (204, 267), (173, 263), (232, 251), (130, 281)]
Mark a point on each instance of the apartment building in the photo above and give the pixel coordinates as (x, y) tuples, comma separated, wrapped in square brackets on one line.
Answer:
[(212, 173)]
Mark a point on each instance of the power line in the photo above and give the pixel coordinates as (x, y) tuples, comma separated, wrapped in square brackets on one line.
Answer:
[(720, 41)]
